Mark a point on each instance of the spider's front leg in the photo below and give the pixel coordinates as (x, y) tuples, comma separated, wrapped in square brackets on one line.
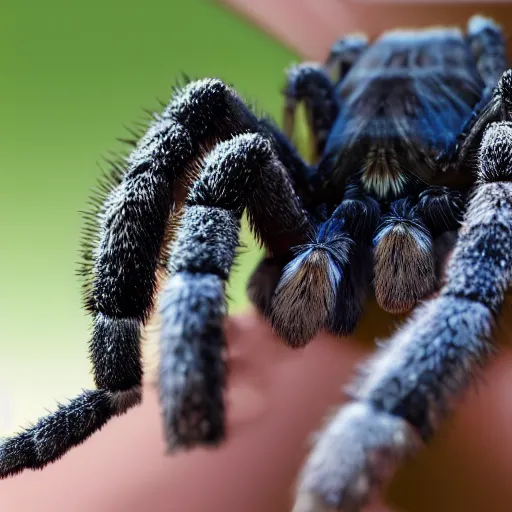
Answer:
[(127, 245), (408, 387), (240, 173)]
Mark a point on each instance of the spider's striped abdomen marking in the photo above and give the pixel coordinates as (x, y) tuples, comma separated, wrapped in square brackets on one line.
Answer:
[(403, 103)]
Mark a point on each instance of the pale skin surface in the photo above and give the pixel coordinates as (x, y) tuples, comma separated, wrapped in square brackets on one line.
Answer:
[(277, 397)]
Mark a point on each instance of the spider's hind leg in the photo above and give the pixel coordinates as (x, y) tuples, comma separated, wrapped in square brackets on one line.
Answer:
[(408, 387), (128, 244), (125, 249), (311, 83)]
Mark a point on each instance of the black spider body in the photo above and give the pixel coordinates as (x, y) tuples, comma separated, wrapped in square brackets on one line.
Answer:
[(402, 107), (413, 145)]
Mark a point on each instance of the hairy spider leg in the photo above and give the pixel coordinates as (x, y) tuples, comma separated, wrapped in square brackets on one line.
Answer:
[(409, 386), (127, 249), (299, 171), (410, 246), (344, 54), (240, 173), (310, 83), (264, 279), (362, 214), (442, 210), (324, 279), (488, 45), (404, 264)]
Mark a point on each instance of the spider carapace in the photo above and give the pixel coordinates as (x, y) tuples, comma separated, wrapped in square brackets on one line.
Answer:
[(413, 161)]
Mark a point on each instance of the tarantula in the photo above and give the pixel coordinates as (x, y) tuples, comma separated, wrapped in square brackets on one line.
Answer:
[(413, 147)]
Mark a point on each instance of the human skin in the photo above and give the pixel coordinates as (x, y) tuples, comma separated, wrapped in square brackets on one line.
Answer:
[(277, 397)]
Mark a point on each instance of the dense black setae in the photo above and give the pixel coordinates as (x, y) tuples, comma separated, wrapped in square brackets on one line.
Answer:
[(412, 161)]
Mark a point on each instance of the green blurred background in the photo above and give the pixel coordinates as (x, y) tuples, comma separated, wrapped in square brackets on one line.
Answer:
[(72, 75)]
